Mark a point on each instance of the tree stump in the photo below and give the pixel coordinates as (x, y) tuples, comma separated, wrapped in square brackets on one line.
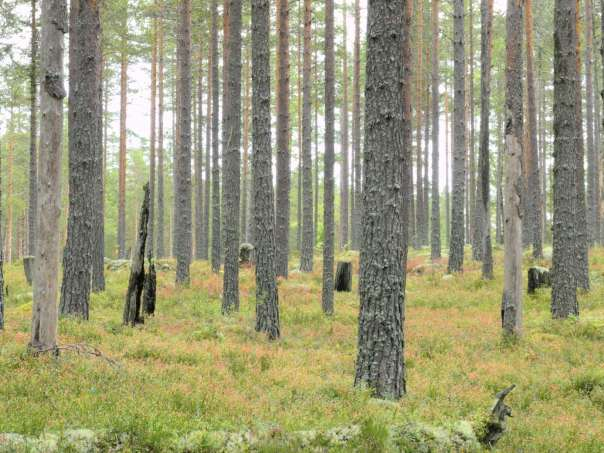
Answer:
[(344, 277), (246, 254), (149, 290), (538, 277), (132, 306), (28, 268)]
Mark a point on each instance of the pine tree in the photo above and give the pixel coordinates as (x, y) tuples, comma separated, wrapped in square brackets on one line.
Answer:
[(435, 214)]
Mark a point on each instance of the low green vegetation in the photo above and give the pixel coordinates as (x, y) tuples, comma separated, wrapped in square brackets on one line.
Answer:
[(191, 370)]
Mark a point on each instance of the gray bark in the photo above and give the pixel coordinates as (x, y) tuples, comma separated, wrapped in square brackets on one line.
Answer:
[(592, 168), (152, 142), (564, 294), (486, 8), (52, 92), (457, 241), (306, 255), (84, 149), (160, 139), (267, 297), (283, 151), (182, 160), (33, 133), (216, 233), (344, 164), (199, 199), (511, 305), (499, 199), (98, 221), (121, 223), (380, 362), (435, 214), (356, 129), (205, 238), (328, 182), (231, 189)]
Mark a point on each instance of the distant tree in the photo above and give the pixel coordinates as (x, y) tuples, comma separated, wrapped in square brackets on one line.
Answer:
[(419, 93), (152, 132), (121, 225), (564, 294), (511, 305), (267, 298), (306, 255), (592, 163), (283, 151), (199, 163), (33, 132), (380, 360), (44, 313), (356, 129), (344, 164), (161, 250), (216, 234), (328, 180), (182, 160), (456, 244), (483, 198), (208, 163), (435, 219)]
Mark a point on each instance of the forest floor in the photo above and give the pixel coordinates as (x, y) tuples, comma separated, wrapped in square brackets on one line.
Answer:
[(190, 368)]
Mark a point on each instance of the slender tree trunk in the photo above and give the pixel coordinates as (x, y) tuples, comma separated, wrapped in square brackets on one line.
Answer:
[(328, 182), (246, 158), (564, 294), (511, 305), (474, 213), (435, 218), (33, 132), (447, 168), (532, 154), (380, 362), (182, 160), (499, 199), (344, 201), (44, 313), (299, 102), (419, 187), (267, 297), (456, 246), (2, 303), (486, 8), (121, 224), (283, 151), (592, 173), (316, 128), (356, 129), (152, 142), (161, 251), (231, 190), (582, 242), (425, 231), (84, 148), (9, 185), (199, 165), (216, 233), (208, 165), (306, 256)]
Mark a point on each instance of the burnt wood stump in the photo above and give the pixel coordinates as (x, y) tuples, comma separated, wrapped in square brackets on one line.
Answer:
[(538, 277), (132, 306), (28, 268), (344, 277), (150, 290), (246, 254)]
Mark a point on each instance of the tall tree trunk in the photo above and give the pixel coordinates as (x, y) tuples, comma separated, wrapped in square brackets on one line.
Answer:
[(344, 208), (121, 223), (9, 185), (511, 305), (33, 132), (161, 250), (425, 231), (476, 222), (216, 234), (456, 245), (283, 151), (152, 141), (299, 102), (267, 297), (435, 218), (182, 160), (592, 171), (199, 164), (328, 181), (582, 241), (499, 199), (532, 156), (231, 193), (564, 294), (246, 158), (447, 168), (356, 129), (380, 362), (84, 147), (208, 165), (419, 187), (306, 255), (316, 129), (44, 313), (486, 9)]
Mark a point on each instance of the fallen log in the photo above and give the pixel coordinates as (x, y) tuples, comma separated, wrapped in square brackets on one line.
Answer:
[(132, 306)]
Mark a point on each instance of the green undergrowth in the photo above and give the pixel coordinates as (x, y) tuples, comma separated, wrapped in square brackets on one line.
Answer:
[(189, 369)]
